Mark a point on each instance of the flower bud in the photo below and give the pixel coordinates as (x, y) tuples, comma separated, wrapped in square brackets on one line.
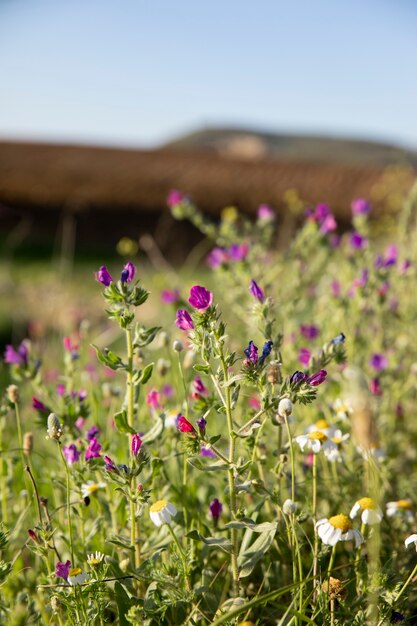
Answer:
[(162, 367), (289, 507), (274, 372), (178, 346), (54, 427), (188, 359), (163, 339), (13, 393), (55, 604), (27, 443), (285, 407)]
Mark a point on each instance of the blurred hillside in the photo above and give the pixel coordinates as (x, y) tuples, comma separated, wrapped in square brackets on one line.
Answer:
[(99, 195)]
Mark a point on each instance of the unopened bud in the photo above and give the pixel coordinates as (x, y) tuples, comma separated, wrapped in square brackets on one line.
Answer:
[(274, 372), (278, 420), (13, 393), (55, 604), (162, 366), (33, 535), (163, 339), (285, 407), (178, 346), (289, 507), (27, 443), (54, 427), (188, 359)]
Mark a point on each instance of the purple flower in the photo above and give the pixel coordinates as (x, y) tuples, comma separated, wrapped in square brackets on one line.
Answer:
[(297, 378), (207, 452), (378, 362), (252, 353), (110, 466), (405, 265), (216, 508), (62, 569), (136, 444), (71, 453), (200, 298), (79, 423), (170, 296), (202, 423), (199, 387), (360, 206), (317, 378), (16, 357), (309, 331), (357, 241), (128, 273), (103, 276), (93, 450), (265, 213), (82, 394), (238, 252), (375, 387), (340, 338), (167, 391), (390, 258), (174, 197), (184, 321), (266, 351), (92, 432), (304, 356), (336, 289), (328, 225), (321, 212), (217, 257), (38, 405), (256, 291)]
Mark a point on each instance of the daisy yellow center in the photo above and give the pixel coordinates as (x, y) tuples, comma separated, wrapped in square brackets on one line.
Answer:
[(93, 562), (75, 571), (341, 521), (321, 424), (318, 436), (158, 506), (367, 503), (92, 488), (337, 440), (404, 504)]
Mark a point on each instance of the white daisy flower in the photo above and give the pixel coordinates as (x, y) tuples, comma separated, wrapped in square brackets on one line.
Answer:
[(90, 487), (334, 454), (76, 576), (371, 513), (338, 528), (411, 539), (171, 419), (161, 512), (343, 409), (400, 507), (94, 559), (315, 441), (322, 426)]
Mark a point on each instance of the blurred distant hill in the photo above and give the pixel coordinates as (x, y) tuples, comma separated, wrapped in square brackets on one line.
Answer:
[(253, 145), (101, 194)]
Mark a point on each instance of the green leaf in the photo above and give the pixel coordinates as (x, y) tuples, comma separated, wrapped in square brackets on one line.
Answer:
[(123, 603), (109, 358), (155, 431), (146, 374), (145, 336), (204, 466), (202, 368), (213, 542), (214, 439), (253, 526), (120, 420), (248, 559)]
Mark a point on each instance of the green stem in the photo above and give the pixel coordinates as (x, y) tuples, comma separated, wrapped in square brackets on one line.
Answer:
[(3, 482), (68, 504), (185, 463), (134, 539), (292, 457), (182, 556), (19, 432), (314, 513)]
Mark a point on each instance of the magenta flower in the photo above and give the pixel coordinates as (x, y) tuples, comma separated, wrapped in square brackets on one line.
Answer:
[(304, 356), (38, 405), (217, 257), (16, 357), (357, 241), (79, 423), (136, 444), (110, 466), (92, 432), (199, 388), (375, 387), (167, 391), (184, 321), (93, 450), (184, 425), (103, 276), (405, 265), (207, 452), (128, 273), (174, 197), (200, 298), (62, 569), (152, 398), (360, 206), (390, 257), (265, 213), (256, 291), (170, 296), (215, 508), (202, 423), (71, 453), (328, 225), (336, 289), (378, 362), (60, 389), (317, 378), (309, 331)]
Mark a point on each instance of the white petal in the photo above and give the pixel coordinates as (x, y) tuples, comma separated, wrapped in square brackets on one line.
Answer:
[(171, 509), (315, 445), (371, 516), (335, 537), (321, 521), (155, 517), (411, 539), (355, 510)]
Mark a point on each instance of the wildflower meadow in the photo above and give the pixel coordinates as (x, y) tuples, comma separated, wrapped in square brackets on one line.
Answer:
[(233, 447)]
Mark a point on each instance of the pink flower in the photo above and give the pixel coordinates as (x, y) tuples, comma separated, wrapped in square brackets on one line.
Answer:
[(317, 378), (184, 321), (360, 206), (71, 453), (309, 331), (103, 276), (184, 425), (200, 298), (265, 213), (304, 356), (169, 296), (136, 444), (174, 197), (93, 450), (199, 388), (128, 273), (152, 398), (217, 257), (375, 387)]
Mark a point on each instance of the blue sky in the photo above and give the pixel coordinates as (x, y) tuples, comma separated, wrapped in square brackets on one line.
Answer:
[(138, 72)]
